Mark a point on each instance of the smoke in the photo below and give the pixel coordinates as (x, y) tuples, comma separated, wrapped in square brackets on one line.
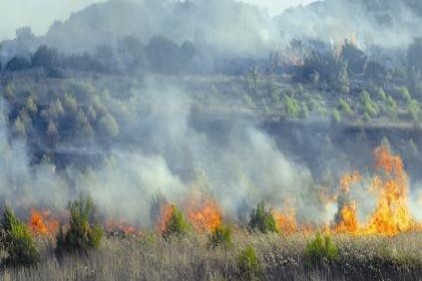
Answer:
[(22, 185), (164, 152), (388, 24), (233, 162)]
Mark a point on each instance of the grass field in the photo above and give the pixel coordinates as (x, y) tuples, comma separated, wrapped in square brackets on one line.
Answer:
[(152, 258)]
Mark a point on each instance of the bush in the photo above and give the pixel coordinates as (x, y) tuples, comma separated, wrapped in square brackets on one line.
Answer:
[(248, 264), (19, 243), (84, 234), (262, 220), (335, 116), (369, 106), (176, 225), (291, 107), (221, 236), (321, 250)]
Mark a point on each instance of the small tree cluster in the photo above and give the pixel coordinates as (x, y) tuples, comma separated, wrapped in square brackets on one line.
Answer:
[(320, 250), (18, 241), (84, 234), (176, 225), (248, 264), (221, 236), (262, 220)]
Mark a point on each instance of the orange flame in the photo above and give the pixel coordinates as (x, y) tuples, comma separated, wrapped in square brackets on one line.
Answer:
[(348, 221), (122, 227), (41, 223), (286, 221), (166, 211), (205, 215), (392, 214), (348, 180)]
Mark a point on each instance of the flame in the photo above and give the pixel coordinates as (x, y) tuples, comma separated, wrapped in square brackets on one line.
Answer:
[(348, 180), (286, 221), (41, 223), (204, 215), (166, 211), (122, 227), (392, 214), (348, 221)]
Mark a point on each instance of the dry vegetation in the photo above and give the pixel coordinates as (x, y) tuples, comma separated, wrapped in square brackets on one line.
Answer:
[(153, 258)]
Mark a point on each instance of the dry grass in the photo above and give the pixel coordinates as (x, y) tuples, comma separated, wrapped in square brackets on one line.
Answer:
[(152, 258)]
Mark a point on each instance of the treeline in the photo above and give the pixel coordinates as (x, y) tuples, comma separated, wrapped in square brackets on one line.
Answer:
[(336, 67), (160, 55)]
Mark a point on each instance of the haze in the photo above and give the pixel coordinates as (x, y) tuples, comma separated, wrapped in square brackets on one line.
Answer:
[(40, 14)]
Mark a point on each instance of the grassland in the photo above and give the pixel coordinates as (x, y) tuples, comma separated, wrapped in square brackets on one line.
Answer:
[(152, 258)]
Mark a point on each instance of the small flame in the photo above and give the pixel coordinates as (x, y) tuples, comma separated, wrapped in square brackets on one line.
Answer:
[(166, 211), (122, 227), (41, 223), (348, 180)]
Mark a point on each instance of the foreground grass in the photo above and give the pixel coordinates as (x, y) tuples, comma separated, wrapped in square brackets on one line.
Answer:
[(189, 258)]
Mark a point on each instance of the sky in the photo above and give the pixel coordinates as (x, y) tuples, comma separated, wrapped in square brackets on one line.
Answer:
[(40, 14)]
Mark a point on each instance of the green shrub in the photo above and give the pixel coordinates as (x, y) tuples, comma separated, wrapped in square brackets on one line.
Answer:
[(405, 94), (262, 220), (19, 243), (321, 250), (176, 225), (344, 106), (221, 236), (414, 110), (84, 234), (291, 107), (369, 106), (336, 117), (248, 264)]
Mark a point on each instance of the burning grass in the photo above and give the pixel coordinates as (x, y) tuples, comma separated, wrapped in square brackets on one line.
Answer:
[(383, 247)]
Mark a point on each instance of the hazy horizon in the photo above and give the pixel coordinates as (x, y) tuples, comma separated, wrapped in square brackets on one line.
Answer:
[(20, 13)]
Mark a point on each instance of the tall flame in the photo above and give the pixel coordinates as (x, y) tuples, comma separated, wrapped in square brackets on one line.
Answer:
[(205, 215), (286, 221), (392, 214), (348, 221), (348, 180)]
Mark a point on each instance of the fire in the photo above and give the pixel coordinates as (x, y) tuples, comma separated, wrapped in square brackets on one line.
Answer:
[(392, 214), (121, 227), (166, 211), (204, 215), (348, 221), (286, 221), (41, 223), (348, 180)]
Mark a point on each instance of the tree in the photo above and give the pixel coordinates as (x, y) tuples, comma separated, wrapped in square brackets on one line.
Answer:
[(19, 243), (45, 57), (84, 233), (108, 126), (18, 63), (262, 220), (166, 57), (355, 58)]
